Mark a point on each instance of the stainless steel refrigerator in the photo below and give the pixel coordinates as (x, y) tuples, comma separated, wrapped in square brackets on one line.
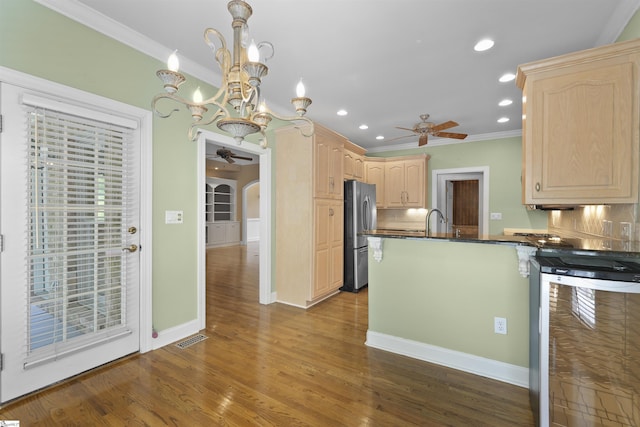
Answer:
[(359, 215)]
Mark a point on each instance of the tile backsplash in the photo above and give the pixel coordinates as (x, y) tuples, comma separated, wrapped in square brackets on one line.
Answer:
[(611, 221), (402, 219)]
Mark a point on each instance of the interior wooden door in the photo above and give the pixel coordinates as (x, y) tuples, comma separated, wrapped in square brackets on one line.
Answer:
[(465, 207)]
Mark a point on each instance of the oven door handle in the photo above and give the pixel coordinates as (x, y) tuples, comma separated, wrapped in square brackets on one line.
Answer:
[(591, 283)]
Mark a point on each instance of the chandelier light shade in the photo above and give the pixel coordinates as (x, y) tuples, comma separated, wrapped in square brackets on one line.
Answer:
[(237, 108)]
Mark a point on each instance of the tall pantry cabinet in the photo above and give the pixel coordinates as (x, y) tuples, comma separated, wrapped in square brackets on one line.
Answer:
[(309, 215)]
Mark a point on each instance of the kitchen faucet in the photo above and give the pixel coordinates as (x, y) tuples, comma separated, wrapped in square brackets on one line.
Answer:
[(428, 222)]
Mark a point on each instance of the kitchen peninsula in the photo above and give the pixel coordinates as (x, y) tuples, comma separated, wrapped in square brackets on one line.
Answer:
[(435, 298)]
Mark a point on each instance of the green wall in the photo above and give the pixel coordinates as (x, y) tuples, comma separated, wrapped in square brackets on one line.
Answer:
[(37, 41), (504, 159), (632, 30), (447, 294)]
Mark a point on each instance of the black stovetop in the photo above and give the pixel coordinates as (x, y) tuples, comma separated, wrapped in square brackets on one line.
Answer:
[(593, 267)]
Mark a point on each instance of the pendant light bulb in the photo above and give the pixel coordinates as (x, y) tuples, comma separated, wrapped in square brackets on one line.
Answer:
[(300, 90), (173, 64), (197, 96), (253, 53)]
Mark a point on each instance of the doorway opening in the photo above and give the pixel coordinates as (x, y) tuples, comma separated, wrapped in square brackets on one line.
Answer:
[(251, 212), (463, 196), (265, 161)]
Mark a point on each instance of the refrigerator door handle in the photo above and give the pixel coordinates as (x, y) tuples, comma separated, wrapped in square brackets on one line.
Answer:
[(365, 214)]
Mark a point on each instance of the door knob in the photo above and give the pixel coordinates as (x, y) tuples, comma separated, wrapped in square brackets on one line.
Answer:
[(131, 248), (132, 230)]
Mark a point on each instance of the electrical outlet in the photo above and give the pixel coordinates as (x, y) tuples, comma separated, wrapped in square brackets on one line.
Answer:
[(495, 215), (500, 325), (606, 228), (625, 230)]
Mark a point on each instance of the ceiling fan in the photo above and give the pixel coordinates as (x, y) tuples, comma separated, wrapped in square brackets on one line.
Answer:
[(229, 155), (425, 128)]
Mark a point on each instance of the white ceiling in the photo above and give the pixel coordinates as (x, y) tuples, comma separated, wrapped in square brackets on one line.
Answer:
[(385, 61)]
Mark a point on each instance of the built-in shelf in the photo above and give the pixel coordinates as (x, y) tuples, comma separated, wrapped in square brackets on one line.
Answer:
[(220, 197), (220, 212)]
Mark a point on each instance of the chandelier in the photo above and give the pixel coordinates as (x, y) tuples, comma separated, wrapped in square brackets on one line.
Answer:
[(237, 108)]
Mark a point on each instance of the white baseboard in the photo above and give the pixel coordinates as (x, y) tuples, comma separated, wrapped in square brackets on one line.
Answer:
[(505, 372), (177, 333)]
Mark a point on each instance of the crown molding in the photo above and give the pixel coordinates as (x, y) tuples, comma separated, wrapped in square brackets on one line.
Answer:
[(618, 21)]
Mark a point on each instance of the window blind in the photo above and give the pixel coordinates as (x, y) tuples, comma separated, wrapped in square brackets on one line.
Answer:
[(79, 190)]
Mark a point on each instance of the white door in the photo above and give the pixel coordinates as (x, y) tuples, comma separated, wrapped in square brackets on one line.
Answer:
[(69, 281)]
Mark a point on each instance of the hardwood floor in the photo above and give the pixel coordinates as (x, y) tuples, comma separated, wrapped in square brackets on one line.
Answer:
[(274, 365)]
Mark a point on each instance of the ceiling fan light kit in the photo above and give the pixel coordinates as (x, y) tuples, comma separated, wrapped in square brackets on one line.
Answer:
[(237, 108), (424, 128)]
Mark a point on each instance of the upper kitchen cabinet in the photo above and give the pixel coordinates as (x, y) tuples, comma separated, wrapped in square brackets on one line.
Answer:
[(353, 161), (328, 163), (405, 182), (581, 127), (374, 174)]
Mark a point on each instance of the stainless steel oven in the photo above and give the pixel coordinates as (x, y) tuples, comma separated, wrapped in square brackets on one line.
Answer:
[(585, 340)]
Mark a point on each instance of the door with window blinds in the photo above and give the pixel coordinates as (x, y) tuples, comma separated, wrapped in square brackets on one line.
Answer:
[(69, 185)]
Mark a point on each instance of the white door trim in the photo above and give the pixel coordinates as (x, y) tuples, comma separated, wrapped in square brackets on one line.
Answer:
[(265, 216), (438, 182)]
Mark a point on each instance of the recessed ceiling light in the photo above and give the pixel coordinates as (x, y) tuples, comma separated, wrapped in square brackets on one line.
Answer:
[(507, 77), (342, 112), (505, 102), (379, 137), (503, 119), (363, 126), (484, 44)]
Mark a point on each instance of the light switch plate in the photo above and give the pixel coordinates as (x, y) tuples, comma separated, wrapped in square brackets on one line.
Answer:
[(173, 217)]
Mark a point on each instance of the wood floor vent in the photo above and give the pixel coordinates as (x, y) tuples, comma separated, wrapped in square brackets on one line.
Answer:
[(191, 341)]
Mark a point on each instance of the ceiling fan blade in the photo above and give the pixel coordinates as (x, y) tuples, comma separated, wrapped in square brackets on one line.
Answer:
[(242, 157), (443, 126), (400, 137), (450, 135), (424, 138), (410, 130)]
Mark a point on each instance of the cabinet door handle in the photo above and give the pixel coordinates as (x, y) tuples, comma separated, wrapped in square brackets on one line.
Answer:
[(330, 211), (537, 186)]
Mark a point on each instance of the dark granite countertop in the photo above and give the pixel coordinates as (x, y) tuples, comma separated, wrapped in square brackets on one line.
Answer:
[(566, 245), (420, 234)]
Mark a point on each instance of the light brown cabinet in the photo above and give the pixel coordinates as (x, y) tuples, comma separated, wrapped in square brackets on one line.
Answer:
[(374, 174), (354, 161), (309, 215), (405, 182), (581, 127), (328, 164), (329, 250)]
